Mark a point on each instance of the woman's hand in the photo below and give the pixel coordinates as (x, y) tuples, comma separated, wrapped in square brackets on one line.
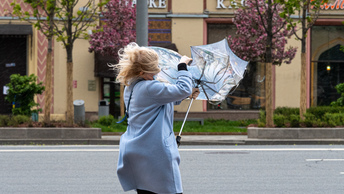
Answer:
[(185, 60), (195, 93)]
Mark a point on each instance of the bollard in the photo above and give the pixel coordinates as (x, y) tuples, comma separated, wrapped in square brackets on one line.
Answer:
[(103, 109), (79, 112)]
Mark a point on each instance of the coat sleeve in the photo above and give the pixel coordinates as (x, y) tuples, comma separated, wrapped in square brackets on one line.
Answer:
[(166, 93)]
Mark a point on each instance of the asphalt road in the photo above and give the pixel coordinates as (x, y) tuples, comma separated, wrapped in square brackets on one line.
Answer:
[(205, 169)]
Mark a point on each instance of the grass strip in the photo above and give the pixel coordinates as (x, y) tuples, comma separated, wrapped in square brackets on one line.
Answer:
[(210, 125)]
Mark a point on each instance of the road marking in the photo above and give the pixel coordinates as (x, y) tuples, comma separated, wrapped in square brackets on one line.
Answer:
[(324, 160), (266, 149), (61, 150), (183, 150), (341, 172)]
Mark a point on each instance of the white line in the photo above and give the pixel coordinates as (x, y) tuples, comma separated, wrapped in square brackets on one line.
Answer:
[(268, 149), (324, 160), (183, 150), (61, 150), (341, 172)]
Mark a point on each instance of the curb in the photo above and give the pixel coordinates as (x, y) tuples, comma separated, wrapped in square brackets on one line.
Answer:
[(184, 133), (294, 141), (58, 142), (247, 141)]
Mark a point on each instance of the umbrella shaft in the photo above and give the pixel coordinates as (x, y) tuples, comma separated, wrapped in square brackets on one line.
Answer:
[(186, 116)]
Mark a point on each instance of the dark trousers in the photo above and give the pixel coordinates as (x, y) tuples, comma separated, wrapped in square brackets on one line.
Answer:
[(147, 192)]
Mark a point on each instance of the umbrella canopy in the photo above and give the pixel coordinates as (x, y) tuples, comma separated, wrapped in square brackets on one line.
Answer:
[(215, 69)]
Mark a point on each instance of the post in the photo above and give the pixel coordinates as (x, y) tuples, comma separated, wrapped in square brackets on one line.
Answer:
[(142, 22)]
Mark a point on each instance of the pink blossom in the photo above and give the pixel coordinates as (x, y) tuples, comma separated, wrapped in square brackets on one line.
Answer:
[(117, 29), (250, 40)]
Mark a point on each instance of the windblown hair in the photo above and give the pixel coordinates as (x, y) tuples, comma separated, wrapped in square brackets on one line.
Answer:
[(134, 59)]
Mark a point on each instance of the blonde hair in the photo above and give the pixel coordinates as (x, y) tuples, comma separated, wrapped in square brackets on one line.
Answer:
[(134, 60)]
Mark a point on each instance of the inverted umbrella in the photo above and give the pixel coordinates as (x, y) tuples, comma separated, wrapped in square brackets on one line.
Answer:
[(215, 70)]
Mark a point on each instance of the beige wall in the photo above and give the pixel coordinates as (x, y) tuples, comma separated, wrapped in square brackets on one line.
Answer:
[(60, 76), (32, 54), (189, 6), (288, 80), (82, 72), (187, 32)]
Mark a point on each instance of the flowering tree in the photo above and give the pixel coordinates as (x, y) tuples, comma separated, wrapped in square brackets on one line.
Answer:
[(307, 12), (250, 42), (262, 35), (116, 30)]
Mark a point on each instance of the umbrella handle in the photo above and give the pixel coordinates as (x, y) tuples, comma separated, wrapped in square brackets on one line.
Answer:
[(186, 116)]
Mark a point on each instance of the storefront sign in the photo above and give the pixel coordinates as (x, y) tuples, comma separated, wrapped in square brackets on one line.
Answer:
[(10, 64), (5, 90), (338, 4), (224, 4), (154, 4)]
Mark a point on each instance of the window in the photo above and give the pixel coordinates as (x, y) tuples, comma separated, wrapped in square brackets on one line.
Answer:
[(327, 67), (110, 87), (250, 93)]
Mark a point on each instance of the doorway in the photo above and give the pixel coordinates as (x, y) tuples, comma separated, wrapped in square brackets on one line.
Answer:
[(13, 60)]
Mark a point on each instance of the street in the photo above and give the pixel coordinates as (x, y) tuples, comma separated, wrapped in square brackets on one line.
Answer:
[(205, 169)]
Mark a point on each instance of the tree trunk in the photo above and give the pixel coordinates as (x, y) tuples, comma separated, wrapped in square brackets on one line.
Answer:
[(303, 81), (303, 94), (268, 95), (48, 84), (70, 111)]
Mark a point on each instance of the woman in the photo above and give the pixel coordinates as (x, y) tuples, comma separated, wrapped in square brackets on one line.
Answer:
[(149, 158)]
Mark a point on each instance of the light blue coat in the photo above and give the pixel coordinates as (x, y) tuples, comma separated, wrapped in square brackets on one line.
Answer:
[(148, 156)]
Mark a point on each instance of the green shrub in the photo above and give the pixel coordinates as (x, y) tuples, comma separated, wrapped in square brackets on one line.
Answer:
[(21, 91), (320, 111), (106, 120), (18, 119), (340, 100), (4, 119), (262, 118), (309, 120), (287, 111), (294, 120), (334, 119), (279, 120)]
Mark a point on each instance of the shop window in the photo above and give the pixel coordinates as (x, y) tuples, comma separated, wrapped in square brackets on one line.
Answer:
[(327, 67), (110, 87), (250, 94)]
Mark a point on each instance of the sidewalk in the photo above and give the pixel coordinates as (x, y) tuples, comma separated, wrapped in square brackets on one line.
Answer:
[(239, 140), (197, 139), (186, 140), (94, 136)]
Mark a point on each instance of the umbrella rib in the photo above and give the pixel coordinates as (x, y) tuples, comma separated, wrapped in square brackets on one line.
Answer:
[(206, 95), (167, 74), (210, 88)]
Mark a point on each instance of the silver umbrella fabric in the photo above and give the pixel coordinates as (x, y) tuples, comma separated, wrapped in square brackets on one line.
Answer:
[(215, 70)]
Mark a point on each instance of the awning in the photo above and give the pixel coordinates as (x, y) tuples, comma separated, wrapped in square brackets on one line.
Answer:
[(10, 29), (101, 66), (101, 63)]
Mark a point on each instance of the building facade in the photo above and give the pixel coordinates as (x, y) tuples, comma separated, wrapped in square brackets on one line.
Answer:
[(178, 24)]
